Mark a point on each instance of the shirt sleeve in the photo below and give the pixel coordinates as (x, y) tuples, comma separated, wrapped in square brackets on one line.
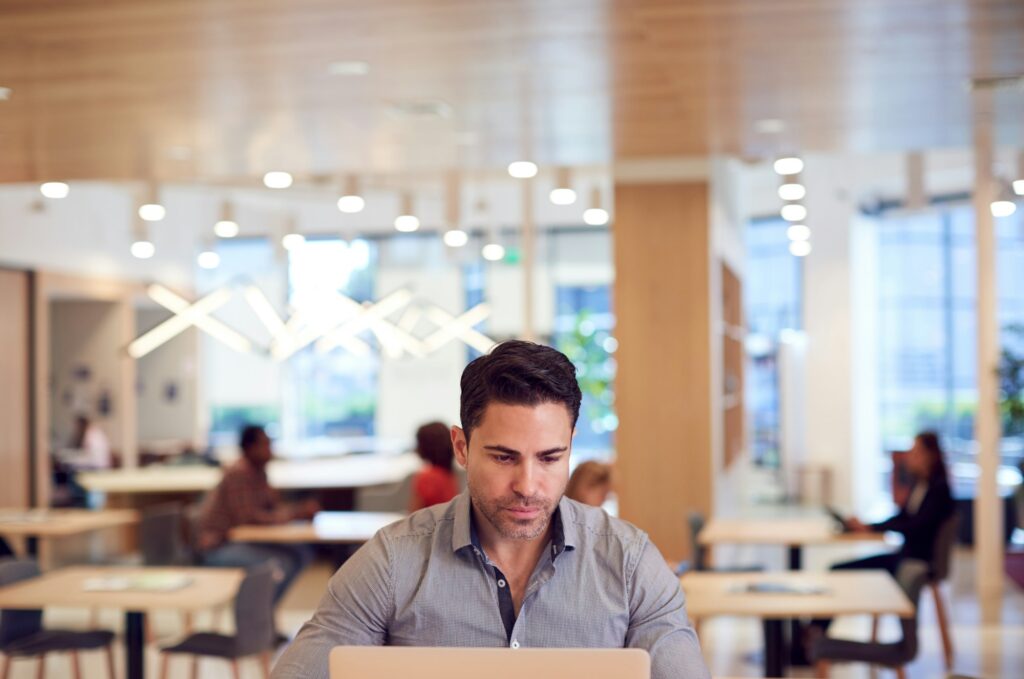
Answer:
[(355, 611), (657, 618)]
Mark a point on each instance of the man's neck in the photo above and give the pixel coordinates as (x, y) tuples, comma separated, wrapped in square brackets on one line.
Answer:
[(510, 554)]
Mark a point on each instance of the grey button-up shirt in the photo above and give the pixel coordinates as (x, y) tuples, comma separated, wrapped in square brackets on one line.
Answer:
[(423, 582)]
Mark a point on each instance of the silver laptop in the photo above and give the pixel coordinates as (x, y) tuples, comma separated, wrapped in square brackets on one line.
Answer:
[(366, 662)]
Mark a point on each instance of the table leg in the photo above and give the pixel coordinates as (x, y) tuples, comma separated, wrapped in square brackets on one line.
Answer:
[(797, 653), (774, 648), (134, 644)]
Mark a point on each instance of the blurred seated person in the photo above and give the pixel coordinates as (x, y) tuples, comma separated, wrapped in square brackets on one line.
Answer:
[(88, 448), (590, 483), (244, 497), (436, 483), (919, 519)]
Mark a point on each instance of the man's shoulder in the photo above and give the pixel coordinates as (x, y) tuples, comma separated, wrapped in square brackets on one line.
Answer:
[(593, 524), (422, 524)]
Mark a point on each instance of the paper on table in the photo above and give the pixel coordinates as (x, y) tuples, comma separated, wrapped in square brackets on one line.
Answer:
[(150, 582), (777, 588)]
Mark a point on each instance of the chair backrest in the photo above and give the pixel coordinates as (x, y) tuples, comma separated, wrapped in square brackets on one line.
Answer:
[(942, 556), (391, 497), (15, 624), (254, 611), (912, 576), (695, 520), (161, 536)]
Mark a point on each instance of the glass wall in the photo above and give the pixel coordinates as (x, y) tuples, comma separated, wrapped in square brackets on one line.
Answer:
[(927, 323)]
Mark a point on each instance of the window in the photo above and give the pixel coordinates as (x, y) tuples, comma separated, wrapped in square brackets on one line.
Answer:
[(332, 393), (927, 321), (772, 297)]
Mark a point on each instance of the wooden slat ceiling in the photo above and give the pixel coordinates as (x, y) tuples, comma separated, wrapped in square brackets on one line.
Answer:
[(223, 90)]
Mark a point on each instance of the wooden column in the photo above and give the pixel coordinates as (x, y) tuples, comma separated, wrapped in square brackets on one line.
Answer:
[(988, 516), (663, 312), (15, 436)]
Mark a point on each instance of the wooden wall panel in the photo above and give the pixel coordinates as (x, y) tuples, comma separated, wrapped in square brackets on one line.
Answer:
[(663, 383), (15, 436)]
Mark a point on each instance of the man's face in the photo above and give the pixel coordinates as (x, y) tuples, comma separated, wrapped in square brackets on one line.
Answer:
[(259, 453), (517, 465)]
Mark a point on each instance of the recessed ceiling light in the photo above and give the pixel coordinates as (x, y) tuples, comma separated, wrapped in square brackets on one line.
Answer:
[(226, 228), (350, 68), (1018, 187), (792, 191), (143, 249), (800, 248), (5, 93), (54, 189), (794, 213), (493, 252), (292, 241), (798, 232), (455, 238), (788, 166), (562, 196), (522, 169), (277, 180), (595, 216), (208, 259), (1003, 208), (351, 204), (407, 223), (152, 212)]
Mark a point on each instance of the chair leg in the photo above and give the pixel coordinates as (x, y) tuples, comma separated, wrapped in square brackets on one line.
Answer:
[(76, 666), (821, 669), (265, 662), (111, 672), (165, 664), (901, 672), (940, 613), (5, 666), (41, 667), (234, 669), (194, 672), (875, 619)]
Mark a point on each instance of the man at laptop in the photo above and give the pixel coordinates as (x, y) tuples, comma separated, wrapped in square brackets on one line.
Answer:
[(510, 562)]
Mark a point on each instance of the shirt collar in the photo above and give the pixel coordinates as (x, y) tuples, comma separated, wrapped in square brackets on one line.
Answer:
[(564, 533)]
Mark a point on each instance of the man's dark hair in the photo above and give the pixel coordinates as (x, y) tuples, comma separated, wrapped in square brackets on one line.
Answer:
[(249, 435), (434, 444), (518, 373)]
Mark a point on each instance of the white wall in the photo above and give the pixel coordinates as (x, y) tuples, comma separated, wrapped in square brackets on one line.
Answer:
[(173, 366), (85, 364)]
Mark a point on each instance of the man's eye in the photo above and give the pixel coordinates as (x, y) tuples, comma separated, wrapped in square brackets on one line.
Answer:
[(503, 458), (550, 459)]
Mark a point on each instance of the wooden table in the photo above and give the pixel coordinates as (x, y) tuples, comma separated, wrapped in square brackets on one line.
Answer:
[(326, 527), (794, 534), (33, 524), (874, 592), (209, 587), (351, 471)]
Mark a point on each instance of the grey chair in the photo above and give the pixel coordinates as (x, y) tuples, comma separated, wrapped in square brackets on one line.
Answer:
[(391, 497), (162, 536), (22, 634), (942, 559), (695, 523), (254, 628), (912, 576)]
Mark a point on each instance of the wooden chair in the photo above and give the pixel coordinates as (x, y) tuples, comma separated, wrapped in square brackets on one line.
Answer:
[(912, 576), (22, 634), (941, 561)]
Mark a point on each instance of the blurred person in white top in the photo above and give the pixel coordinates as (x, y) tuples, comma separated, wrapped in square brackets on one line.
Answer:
[(89, 447)]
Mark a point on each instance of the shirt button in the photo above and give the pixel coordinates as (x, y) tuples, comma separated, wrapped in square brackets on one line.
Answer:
[(515, 643), (501, 583)]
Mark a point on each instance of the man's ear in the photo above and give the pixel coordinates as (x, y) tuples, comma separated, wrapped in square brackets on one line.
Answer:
[(461, 445)]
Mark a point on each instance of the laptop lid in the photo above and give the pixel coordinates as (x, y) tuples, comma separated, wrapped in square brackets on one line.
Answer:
[(366, 662)]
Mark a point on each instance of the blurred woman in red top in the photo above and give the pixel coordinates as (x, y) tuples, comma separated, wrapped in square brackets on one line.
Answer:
[(436, 482)]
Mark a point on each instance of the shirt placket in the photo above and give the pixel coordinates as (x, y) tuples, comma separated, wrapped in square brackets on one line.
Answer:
[(544, 573)]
